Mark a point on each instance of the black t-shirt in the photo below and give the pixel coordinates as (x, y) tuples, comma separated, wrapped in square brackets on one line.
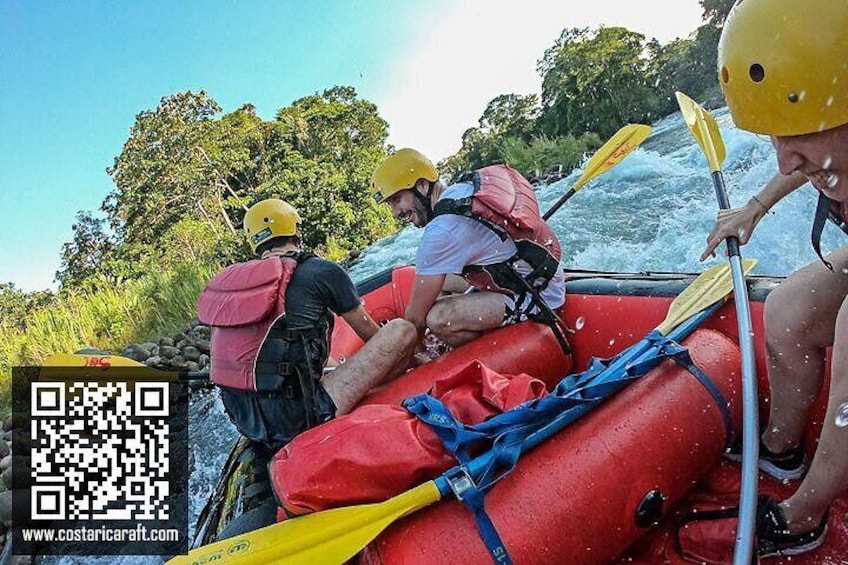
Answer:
[(315, 286)]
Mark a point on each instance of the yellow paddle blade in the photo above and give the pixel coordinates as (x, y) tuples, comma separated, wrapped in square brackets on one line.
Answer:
[(704, 129), (92, 365), (711, 286), (324, 538), (89, 360), (613, 151)]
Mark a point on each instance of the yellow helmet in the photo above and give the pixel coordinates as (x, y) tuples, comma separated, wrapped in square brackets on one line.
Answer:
[(401, 171), (783, 65), (269, 219)]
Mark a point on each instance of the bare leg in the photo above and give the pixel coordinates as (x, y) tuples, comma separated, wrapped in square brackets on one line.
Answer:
[(827, 477), (805, 315), (459, 319), (800, 316), (381, 356)]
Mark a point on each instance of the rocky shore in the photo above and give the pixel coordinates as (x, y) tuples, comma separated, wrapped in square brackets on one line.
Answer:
[(13, 433), (186, 352)]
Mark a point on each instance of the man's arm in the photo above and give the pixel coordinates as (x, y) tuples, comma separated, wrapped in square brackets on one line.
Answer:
[(361, 322), (424, 294)]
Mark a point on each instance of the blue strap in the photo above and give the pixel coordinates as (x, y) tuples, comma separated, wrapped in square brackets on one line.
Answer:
[(506, 432), (454, 435), (684, 359), (573, 397), (467, 491)]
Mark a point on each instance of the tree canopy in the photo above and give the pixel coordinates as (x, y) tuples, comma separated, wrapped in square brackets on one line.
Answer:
[(185, 164)]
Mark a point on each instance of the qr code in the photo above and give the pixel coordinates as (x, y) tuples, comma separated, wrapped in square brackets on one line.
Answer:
[(100, 450)]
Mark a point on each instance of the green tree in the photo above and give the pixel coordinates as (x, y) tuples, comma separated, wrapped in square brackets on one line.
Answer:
[(322, 154), (595, 82), (83, 256), (233, 152), (716, 11), (511, 115), (508, 116), (162, 173)]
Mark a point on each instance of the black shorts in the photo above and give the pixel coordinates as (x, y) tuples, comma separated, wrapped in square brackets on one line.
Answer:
[(274, 418)]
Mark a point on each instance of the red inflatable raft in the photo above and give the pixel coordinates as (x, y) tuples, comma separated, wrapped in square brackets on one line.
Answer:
[(609, 488)]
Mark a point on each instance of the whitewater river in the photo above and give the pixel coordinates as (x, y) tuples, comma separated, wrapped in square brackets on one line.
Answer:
[(651, 212)]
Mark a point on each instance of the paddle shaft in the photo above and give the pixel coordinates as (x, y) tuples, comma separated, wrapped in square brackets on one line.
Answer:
[(706, 132), (724, 204), (558, 204), (743, 549)]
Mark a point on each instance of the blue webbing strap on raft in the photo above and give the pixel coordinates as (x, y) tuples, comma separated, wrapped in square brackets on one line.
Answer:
[(467, 492), (508, 432), (681, 356)]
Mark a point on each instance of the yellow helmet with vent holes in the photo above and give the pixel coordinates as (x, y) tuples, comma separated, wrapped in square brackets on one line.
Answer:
[(269, 219), (400, 171), (783, 65)]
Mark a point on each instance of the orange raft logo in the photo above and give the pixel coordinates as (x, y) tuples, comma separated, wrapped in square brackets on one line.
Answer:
[(104, 362)]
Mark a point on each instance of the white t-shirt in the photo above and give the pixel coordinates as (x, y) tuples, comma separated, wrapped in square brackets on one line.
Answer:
[(450, 242)]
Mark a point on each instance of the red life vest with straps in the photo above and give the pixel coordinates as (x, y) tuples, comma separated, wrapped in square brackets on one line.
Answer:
[(506, 203), (241, 304)]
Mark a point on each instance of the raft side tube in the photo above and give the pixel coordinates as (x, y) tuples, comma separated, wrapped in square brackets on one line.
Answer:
[(574, 498)]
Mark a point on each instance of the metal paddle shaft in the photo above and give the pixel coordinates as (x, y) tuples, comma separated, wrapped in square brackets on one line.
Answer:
[(745, 529), (609, 155), (705, 130)]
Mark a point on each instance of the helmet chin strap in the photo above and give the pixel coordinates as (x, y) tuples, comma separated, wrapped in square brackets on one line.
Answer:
[(425, 200)]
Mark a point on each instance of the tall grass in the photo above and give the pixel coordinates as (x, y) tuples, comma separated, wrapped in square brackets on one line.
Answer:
[(108, 317)]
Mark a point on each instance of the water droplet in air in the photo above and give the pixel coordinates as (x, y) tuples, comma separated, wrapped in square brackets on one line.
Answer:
[(579, 323), (842, 415)]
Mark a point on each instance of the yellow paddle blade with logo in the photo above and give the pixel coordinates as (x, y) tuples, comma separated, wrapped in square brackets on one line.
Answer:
[(324, 538), (609, 155), (613, 151), (89, 360)]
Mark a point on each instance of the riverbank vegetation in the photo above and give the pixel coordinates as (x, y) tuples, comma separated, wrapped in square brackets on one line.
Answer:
[(188, 171)]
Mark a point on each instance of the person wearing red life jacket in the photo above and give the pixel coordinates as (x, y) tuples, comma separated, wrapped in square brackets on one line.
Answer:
[(271, 321), (782, 67), (487, 228)]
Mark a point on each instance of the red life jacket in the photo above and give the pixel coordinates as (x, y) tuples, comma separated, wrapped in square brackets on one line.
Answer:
[(506, 203), (241, 303)]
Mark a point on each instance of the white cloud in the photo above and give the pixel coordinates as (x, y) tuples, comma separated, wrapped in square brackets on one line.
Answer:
[(464, 58)]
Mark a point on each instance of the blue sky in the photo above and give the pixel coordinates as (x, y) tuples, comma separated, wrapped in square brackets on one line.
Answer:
[(73, 75)]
